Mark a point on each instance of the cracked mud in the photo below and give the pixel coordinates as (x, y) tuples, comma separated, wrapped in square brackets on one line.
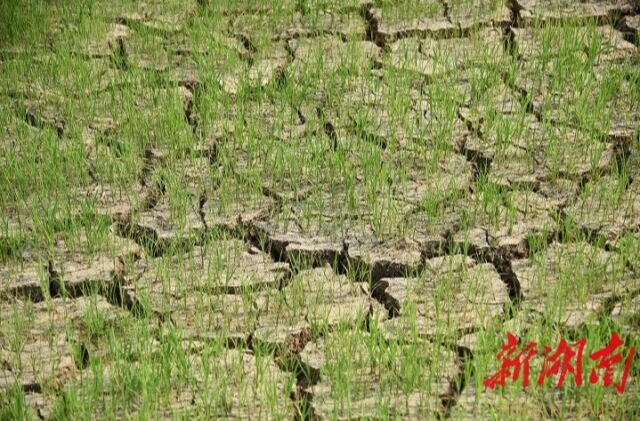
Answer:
[(314, 211)]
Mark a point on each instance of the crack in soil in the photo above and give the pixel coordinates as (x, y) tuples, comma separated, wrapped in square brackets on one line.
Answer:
[(371, 32), (30, 117), (515, 13), (457, 386), (481, 165)]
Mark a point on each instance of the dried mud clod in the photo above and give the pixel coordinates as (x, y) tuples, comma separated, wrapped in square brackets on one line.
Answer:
[(75, 272), (395, 23), (433, 57), (604, 11), (557, 97), (608, 218), (29, 280), (630, 26), (472, 15), (596, 277), (458, 285), (73, 269), (38, 354), (314, 299)]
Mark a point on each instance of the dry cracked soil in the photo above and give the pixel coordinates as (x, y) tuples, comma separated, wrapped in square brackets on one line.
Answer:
[(317, 210)]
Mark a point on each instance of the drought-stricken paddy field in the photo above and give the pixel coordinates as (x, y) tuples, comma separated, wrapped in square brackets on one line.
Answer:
[(316, 210)]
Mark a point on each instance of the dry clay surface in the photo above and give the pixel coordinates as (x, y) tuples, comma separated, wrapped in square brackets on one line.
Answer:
[(245, 234)]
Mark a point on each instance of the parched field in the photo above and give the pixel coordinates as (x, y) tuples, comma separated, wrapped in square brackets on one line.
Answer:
[(316, 210)]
